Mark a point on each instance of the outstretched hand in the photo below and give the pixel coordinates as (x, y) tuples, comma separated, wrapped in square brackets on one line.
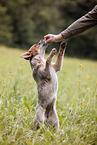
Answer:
[(49, 38)]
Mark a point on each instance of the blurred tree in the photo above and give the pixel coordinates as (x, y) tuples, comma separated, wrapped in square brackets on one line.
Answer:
[(23, 26), (46, 17), (5, 27), (25, 22)]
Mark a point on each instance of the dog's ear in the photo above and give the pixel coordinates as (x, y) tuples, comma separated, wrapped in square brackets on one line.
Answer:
[(26, 55), (29, 53)]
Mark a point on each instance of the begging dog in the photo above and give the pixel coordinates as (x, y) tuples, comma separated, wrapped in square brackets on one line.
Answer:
[(45, 74)]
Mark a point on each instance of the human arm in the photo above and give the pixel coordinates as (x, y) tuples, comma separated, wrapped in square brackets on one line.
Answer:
[(82, 24)]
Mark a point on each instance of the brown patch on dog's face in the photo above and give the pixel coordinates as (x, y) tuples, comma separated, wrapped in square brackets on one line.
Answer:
[(35, 50)]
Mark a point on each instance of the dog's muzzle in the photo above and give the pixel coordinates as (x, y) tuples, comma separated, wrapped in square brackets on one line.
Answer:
[(42, 44), (33, 49)]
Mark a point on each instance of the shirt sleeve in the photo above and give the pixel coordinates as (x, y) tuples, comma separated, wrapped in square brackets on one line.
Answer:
[(85, 22)]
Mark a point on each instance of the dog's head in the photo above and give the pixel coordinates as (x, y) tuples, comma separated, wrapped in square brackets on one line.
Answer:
[(36, 49)]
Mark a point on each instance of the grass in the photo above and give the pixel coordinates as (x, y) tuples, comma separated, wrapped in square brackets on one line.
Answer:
[(76, 104)]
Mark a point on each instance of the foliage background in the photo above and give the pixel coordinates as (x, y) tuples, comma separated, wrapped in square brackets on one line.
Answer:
[(25, 22)]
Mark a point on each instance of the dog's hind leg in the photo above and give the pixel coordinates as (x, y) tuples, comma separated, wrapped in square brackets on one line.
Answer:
[(58, 64), (51, 115), (39, 117)]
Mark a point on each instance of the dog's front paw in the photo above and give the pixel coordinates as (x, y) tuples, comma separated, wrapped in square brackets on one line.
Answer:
[(63, 45), (54, 51)]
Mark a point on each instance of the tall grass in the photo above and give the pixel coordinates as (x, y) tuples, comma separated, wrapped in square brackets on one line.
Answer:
[(76, 104)]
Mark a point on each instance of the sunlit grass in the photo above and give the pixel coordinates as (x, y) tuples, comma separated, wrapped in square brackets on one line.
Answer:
[(76, 104)]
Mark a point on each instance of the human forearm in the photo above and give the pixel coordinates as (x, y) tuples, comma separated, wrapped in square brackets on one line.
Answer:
[(87, 21)]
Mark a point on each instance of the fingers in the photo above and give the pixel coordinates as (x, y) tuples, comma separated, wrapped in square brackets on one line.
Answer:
[(49, 38), (49, 41)]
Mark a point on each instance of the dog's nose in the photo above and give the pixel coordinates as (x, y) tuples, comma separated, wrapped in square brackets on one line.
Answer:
[(44, 44), (41, 41)]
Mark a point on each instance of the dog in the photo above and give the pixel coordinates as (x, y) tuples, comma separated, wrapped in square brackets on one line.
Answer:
[(44, 73)]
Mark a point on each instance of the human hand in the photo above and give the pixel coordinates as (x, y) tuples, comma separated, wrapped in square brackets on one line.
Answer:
[(49, 38)]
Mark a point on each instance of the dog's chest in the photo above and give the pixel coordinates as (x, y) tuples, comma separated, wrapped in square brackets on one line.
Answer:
[(36, 64), (47, 83)]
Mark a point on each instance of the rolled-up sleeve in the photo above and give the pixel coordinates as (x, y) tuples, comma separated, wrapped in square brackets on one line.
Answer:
[(85, 22)]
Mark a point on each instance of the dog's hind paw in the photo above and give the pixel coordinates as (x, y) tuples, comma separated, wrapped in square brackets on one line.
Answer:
[(35, 126)]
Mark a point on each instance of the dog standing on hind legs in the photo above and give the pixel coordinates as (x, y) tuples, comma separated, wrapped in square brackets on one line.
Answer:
[(45, 74)]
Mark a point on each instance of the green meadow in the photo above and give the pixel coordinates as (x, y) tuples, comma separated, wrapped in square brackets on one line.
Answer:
[(76, 104)]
